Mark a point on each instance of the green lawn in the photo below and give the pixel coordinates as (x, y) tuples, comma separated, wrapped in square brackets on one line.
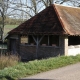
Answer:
[(8, 28), (36, 66)]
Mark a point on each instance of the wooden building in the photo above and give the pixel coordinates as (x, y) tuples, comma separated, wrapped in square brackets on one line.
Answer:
[(47, 34)]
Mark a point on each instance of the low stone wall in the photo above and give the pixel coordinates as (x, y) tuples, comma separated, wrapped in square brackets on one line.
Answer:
[(31, 52), (74, 50)]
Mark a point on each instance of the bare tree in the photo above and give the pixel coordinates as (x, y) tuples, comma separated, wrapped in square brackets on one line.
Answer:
[(75, 3), (69, 2), (47, 2), (3, 11), (29, 7), (25, 9)]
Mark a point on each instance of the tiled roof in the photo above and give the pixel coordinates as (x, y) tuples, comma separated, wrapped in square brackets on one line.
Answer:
[(69, 17), (55, 19)]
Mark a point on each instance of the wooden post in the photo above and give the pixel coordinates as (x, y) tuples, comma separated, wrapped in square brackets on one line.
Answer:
[(37, 46), (28, 38), (37, 43), (19, 42), (8, 45), (41, 39), (48, 40), (34, 39)]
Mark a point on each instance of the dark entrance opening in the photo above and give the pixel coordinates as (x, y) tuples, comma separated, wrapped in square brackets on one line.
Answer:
[(74, 40), (13, 46)]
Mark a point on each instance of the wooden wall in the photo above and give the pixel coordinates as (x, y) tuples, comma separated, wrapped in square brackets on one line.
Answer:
[(31, 52)]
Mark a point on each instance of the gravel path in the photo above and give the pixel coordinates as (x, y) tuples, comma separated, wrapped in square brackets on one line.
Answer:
[(71, 72)]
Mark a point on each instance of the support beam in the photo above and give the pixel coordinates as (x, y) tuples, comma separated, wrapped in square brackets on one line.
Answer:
[(19, 42), (41, 39), (37, 41), (28, 38), (48, 40), (63, 44), (34, 39)]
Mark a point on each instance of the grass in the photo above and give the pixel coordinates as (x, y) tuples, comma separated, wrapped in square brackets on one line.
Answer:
[(8, 28), (11, 26), (36, 66), (7, 61)]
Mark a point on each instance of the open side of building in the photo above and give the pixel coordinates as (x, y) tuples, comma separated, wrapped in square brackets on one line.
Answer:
[(52, 32)]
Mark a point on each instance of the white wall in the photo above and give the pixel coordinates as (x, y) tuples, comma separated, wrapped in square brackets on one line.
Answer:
[(74, 50)]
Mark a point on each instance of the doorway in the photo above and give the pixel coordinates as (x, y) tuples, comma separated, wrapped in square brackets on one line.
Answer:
[(13, 46)]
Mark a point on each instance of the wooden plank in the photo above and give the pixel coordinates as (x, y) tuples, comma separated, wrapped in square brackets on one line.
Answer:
[(37, 40), (48, 40)]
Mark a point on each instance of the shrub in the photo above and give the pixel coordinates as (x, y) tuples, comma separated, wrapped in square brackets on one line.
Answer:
[(36, 66), (7, 61)]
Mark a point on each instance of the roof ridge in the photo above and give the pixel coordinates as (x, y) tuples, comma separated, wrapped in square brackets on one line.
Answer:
[(60, 19)]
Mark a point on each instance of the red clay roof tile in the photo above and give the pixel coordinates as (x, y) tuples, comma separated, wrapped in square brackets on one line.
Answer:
[(55, 19)]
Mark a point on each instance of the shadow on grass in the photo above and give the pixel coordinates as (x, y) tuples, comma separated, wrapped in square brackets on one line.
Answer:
[(6, 77)]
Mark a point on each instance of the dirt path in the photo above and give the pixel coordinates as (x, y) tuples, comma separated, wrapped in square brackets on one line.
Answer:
[(71, 72)]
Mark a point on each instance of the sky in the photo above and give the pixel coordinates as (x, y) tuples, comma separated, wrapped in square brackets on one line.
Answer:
[(17, 13)]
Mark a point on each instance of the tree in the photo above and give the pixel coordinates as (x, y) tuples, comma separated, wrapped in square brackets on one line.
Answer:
[(25, 9), (47, 3), (75, 3), (28, 8), (3, 10)]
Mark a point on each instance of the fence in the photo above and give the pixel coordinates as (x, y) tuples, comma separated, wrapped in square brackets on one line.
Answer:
[(3, 48)]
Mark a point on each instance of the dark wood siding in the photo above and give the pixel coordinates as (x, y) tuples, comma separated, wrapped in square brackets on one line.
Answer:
[(30, 53)]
